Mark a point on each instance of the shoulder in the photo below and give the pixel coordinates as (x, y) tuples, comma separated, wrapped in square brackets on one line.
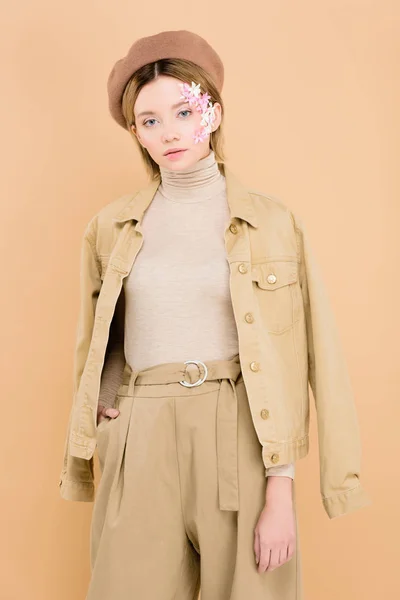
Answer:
[(104, 217), (271, 209), (101, 229), (266, 201)]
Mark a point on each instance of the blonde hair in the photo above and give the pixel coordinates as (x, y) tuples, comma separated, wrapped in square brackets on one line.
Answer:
[(186, 71)]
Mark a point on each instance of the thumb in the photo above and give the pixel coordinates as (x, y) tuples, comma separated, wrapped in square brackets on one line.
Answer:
[(257, 550), (110, 412)]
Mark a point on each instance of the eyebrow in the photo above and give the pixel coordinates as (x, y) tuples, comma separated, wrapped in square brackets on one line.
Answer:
[(150, 112)]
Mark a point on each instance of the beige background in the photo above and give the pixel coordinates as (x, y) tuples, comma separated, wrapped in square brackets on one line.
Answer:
[(312, 99)]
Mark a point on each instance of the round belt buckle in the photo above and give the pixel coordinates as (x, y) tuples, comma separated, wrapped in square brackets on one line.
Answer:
[(199, 381)]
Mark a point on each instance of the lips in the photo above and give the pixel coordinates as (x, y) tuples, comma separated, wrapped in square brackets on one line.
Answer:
[(174, 152)]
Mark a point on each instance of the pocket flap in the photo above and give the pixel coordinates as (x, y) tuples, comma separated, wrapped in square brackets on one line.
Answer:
[(272, 275)]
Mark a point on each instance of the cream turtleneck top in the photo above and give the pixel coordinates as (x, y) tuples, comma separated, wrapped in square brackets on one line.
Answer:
[(177, 293), (177, 297)]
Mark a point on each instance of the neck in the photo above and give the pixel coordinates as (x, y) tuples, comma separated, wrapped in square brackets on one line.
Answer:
[(201, 181)]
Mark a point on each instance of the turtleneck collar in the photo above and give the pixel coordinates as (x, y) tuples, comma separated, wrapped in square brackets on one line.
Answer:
[(199, 182)]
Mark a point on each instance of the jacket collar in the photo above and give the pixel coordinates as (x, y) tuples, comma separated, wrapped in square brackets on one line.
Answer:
[(238, 197)]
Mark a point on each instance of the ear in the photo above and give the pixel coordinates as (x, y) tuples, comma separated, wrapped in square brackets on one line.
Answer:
[(218, 115), (133, 130)]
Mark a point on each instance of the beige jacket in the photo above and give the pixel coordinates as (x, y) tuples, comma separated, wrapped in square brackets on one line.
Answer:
[(287, 339)]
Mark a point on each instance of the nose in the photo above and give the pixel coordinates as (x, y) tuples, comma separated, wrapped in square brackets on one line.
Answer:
[(169, 136)]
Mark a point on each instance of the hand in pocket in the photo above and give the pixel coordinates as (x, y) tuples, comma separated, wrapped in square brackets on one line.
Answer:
[(106, 412)]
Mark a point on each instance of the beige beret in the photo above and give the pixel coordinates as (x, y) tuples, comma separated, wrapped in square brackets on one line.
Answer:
[(167, 44)]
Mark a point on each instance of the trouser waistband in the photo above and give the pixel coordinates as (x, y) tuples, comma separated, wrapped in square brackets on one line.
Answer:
[(178, 371)]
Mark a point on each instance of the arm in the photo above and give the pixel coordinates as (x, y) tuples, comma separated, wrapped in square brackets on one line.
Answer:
[(279, 485), (76, 479), (338, 431)]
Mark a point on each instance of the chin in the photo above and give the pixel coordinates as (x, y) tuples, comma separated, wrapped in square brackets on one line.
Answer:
[(182, 163)]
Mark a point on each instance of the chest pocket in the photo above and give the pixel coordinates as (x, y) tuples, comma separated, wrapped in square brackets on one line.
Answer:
[(276, 286)]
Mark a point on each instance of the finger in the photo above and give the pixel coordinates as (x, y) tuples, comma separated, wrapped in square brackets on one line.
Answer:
[(257, 546), (274, 559), (102, 411), (283, 555), (100, 415), (291, 549), (265, 556)]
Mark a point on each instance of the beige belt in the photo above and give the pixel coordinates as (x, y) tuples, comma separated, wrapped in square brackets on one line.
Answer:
[(227, 409)]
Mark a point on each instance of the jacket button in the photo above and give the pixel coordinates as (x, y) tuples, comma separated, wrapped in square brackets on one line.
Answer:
[(242, 268), (249, 317), (271, 278), (254, 366), (274, 458), (264, 413), (233, 228)]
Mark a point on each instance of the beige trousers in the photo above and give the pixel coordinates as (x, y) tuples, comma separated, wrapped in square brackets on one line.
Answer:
[(182, 487)]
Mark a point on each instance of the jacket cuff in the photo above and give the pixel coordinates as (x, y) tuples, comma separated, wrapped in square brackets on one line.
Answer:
[(77, 491), (346, 502), (281, 471)]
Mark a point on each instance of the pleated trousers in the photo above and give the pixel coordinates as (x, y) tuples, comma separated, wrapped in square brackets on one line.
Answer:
[(181, 489)]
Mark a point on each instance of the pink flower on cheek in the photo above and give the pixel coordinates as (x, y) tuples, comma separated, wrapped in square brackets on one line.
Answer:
[(200, 135), (201, 102), (197, 138)]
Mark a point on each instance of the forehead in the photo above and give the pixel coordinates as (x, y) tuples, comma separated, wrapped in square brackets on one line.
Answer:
[(160, 94)]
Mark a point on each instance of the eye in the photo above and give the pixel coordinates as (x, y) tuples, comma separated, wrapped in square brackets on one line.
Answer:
[(180, 112)]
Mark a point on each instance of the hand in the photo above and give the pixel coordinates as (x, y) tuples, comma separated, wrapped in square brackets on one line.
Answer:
[(105, 412), (275, 536)]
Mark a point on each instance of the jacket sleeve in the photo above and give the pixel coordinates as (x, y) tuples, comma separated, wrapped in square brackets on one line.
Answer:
[(339, 438), (77, 475)]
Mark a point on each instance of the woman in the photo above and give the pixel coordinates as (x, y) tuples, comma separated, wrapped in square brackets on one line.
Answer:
[(202, 314)]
